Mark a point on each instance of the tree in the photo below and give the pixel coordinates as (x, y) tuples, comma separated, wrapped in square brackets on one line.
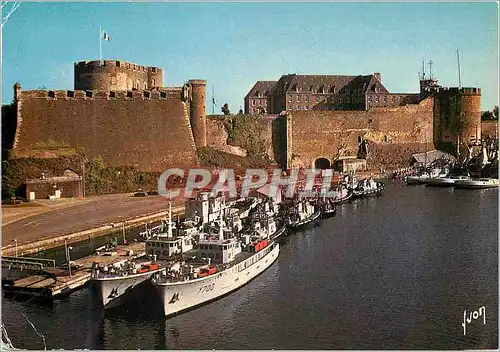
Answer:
[(225, 109), (495, 112), (488, 115)]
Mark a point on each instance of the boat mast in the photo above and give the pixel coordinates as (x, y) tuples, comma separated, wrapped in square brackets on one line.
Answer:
[(170, 219), (459, 80), (221, 227)]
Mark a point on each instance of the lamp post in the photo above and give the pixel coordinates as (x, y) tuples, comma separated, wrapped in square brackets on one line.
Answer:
[(124, 238), (68, 257), (15, 241)]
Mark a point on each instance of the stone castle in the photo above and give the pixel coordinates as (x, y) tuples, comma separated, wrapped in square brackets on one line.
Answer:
[(121, 112)]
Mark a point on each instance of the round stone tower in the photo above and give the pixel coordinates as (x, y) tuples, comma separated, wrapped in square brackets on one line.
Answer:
[(197, 111), (457, 114), (108, 75), (470, 114)]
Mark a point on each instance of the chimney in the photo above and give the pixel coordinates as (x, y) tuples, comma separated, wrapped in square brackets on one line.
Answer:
[(377, 76)]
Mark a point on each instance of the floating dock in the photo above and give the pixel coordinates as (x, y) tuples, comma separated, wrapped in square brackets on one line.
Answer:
[(49, 281)]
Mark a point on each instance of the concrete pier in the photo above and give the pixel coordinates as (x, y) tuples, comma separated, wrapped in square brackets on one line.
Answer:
[(54, 282)]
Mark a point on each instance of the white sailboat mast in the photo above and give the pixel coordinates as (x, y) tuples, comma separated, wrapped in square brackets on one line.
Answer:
[(170, 219), (221, 227)]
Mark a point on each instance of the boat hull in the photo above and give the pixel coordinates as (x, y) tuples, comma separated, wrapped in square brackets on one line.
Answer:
[(302, 223), (279, 233), (329, 213), (440, 183), (112, 291), (475, 184), (179, 297)]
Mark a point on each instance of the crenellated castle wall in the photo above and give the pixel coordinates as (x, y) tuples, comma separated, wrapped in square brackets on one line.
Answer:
[(109, 75), (149, 130)]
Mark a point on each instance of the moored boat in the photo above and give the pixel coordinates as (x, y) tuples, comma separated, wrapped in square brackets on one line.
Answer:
[(446, 181), (112, 283), (368, 187), (220, 266), (301, 213), (477, 183), (327, 206)]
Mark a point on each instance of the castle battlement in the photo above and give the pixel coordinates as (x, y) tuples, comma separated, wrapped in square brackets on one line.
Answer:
[(107, 64), (156, 94), (198, 82), (456, 90), (108, 75)]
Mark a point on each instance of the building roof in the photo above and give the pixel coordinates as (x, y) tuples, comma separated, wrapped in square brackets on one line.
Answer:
[(325, 84), (67, 176), (431, 156), (261, 87)]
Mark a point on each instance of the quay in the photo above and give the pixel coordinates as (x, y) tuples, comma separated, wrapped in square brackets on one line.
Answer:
[(49, 281), (25, 231)]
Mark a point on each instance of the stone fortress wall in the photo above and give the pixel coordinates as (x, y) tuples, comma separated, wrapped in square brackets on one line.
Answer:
[(152, 127)]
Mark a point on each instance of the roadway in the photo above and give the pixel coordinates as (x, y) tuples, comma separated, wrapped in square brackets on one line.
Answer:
[(75, 216)]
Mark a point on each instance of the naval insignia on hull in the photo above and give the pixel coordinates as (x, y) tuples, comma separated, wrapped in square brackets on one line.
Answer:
[(175, 298)]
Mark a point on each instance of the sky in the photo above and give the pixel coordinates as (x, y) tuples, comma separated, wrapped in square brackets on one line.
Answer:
[(234, 44)]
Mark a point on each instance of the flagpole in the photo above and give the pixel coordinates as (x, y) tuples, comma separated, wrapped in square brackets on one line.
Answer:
[(100, 44)]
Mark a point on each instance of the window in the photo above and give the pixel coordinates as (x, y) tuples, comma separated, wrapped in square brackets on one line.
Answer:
[(154, 82), (393, 99), (298, 98), (385, 98), (386, 139), (289, 98), (145, 86), (253, 102), (369, 98), (306, 98), (376, 99)]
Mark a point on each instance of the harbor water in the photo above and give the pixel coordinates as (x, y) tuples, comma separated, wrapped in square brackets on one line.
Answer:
[(392, 272)]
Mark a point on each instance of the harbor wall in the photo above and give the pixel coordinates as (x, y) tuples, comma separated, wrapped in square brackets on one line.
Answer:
[(390, 135)]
